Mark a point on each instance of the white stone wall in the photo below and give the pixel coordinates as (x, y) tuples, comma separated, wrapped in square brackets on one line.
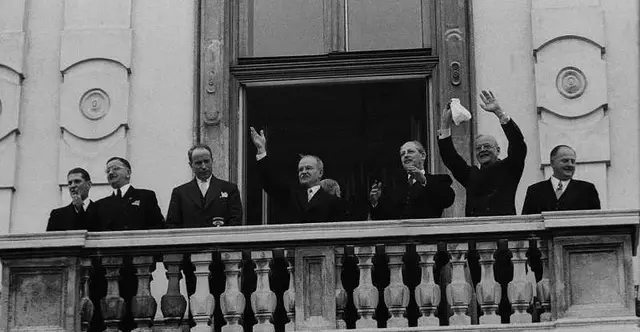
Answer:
[(133, 62), (504, 43)]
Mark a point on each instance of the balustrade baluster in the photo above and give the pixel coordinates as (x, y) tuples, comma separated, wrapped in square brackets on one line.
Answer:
[(263, 300), (158, 288), (143, 305), (173, 304), (289, 296), (488, 291), (365, 296), (459, 292), (396, 295), (427, 292), (232, 301), (112, 306), (520, 290), (86, 306), (341, 293), (544, 285), (201, 301)]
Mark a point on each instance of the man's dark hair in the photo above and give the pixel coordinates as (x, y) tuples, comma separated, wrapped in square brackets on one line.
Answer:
[(81, 171), (198, 146), (554, 151), (122, 160)]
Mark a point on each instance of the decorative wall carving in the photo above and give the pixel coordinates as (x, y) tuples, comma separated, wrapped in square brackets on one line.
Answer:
[(571, 86), (95, 63)]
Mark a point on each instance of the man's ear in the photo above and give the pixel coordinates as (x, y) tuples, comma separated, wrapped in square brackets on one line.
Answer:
[(498, 150)]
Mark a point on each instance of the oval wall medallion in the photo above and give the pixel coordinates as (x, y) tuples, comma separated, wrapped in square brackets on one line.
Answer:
[(94, 104), (571, 82)]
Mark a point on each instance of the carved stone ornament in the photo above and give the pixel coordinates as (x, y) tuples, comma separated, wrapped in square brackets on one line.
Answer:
[(571, 82), (95, 104)]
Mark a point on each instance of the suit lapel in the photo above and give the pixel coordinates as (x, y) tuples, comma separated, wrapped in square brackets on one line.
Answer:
[(550, 192), (193, 192), (213, 192), (302, 199)]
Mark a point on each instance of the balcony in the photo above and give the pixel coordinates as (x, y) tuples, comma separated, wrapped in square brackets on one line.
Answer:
[(402, 275)]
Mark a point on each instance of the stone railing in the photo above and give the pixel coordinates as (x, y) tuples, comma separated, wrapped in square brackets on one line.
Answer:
[(401, 275)]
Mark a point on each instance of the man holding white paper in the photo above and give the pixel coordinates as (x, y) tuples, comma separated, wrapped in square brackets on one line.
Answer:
[(491, 188)]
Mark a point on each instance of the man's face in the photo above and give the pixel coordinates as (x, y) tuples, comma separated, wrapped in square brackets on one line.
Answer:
[(564, 164), (78, 186), (201, 163), (117, 174), (487, 150), (410, 155), (308, 172)]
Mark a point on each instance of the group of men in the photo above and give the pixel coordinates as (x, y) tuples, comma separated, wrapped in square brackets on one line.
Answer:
[(204, 201), (208, 201)]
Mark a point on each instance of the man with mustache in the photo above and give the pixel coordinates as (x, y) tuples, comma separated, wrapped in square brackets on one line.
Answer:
[(127, 208), (416, 193), (306, 202), (491, 188), (561, 192), (82, 212), (197, 202)]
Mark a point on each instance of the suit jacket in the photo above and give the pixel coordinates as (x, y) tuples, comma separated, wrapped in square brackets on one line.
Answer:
[(579, 195), (405, 201), (322, 207), (491, 190), (188, 208), (66, 218), (137, 210)]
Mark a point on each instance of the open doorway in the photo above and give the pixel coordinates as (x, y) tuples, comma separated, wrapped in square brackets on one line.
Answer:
[(355, 128)]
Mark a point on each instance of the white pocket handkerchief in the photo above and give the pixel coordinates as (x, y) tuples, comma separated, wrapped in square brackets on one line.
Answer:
[(136, 203), (224, 194)]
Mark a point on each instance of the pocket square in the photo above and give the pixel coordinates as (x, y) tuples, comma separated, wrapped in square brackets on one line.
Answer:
[(136, 203), (224, 194)]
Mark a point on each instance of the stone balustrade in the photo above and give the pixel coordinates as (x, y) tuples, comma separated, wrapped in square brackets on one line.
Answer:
[(570, 272)]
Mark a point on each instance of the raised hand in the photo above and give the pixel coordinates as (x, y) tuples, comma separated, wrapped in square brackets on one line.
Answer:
[(446, 118), (489, 102), (416, 174), (374, 194), (259, 140)]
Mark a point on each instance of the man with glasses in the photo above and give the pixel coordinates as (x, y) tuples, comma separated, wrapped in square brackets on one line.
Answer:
[(127, 208), (491, 188)]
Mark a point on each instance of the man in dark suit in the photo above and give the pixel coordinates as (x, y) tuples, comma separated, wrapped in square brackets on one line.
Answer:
[(197, 202), (127, 208), (81, 213), (491, 188), (306, 202), (561, 192), (416, 193)]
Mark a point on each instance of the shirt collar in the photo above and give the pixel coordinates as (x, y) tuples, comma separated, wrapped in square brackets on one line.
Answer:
[(123, 189), (421, 171), (205, 181), (313, 189), (555, 181)]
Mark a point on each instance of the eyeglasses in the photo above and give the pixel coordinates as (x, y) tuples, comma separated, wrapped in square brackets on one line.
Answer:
[(113, 168)]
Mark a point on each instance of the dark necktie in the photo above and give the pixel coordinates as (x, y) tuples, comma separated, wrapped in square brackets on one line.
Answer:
[(119, 193)]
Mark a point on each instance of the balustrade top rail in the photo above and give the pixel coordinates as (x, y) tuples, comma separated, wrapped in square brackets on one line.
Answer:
[(429, 230)]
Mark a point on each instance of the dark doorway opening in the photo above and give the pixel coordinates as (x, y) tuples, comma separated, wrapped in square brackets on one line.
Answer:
[(355, 128)]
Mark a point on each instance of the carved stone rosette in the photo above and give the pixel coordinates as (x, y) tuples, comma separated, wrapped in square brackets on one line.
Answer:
[(544, 285), (173, 304), (263, 300), (365, 296), (488, 291), (86, 306), (341, 293), (201, 301), (289, 296), (520, 290), (396, 295), (232, 302), (143, 305), (112, 306), (459, 292), (427, 292)]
